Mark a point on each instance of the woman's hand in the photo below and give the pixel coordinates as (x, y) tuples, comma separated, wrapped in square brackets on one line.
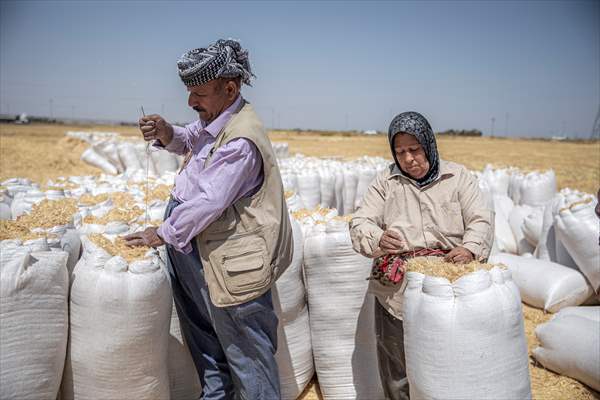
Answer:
[(391, 242), (459, 255)]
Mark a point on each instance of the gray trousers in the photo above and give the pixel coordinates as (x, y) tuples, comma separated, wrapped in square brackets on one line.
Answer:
[(389, 331), (233, 347)]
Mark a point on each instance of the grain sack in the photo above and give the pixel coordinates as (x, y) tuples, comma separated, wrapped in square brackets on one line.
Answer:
[(497, 180), (23, 202), (365, 177), (129, 158), (537, 188), (544, 284), (465, 340), (108, 149), (546, 247), (341, 314), (504, 240), (349, 191), (293, 201), (515, 220), (570, 345), (578, 228), (294, 349), (5, 213), (591, 313), (327, 184), (309, 188), (184, 383), (34, 289), (533, 225), (339, 191), (163, 161), (95, 159), (119, 331)]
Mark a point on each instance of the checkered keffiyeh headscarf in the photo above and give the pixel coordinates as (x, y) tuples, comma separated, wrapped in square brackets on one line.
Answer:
[(223, 59), (417, 125)]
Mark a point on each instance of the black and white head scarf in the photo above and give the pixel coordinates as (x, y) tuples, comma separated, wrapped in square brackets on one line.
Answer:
[(415, 124), (223, 59)]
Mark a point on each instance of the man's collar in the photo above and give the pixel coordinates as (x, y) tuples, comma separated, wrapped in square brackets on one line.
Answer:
[(217, 125)]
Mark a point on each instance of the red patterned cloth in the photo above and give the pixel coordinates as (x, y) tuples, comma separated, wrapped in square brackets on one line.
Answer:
[(390, 269)]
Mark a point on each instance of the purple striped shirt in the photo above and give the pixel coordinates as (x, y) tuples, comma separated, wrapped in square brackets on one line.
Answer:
[(235, 171)]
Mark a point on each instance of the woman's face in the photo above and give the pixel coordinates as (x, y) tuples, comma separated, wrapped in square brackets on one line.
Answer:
[(410, 155)]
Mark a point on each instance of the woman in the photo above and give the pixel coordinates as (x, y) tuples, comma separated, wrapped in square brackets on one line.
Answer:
[(419, 206)]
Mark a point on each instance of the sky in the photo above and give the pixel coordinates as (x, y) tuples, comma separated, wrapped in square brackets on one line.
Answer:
[(534, 67)]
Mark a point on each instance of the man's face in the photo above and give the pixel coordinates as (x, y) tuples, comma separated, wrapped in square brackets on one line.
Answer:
[(212, 98)]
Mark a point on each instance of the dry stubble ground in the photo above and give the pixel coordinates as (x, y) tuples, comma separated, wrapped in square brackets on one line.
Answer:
[(41, 152)]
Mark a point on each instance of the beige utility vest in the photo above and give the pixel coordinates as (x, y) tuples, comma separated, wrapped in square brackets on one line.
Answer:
[(249, 246)]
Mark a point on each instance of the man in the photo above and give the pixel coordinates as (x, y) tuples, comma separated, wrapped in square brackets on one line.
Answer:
[(226, 228)]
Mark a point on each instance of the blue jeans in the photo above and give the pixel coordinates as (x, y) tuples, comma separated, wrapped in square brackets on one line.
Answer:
[(233, 347)]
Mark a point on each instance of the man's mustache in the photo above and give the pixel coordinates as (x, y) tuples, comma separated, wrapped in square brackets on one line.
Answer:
[(198, 109)]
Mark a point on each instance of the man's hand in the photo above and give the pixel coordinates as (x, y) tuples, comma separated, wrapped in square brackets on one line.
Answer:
[(459, 255), (154, 127), (147, 237), (391, 242)]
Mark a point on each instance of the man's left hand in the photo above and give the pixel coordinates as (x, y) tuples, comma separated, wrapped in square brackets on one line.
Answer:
[(147, 237), (459, 255)]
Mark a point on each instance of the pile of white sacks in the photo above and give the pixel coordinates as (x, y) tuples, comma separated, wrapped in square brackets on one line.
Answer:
[(115, 154), (115, 315)]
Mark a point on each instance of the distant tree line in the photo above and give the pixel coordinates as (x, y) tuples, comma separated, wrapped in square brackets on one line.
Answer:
[(462, 132)]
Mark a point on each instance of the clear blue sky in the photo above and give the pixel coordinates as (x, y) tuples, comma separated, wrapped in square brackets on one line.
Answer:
[(334, 65)]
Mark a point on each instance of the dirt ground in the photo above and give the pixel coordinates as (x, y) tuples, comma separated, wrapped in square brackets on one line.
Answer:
[(41, 152)]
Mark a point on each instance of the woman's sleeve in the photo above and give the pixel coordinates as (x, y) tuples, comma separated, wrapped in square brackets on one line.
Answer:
[(477, 217), (367, 222)]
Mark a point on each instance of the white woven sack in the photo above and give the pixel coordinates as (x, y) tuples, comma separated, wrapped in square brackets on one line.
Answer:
[(164, 161), (497, 180), (327, 182), (184, 383), (5, 213), (339, 192), (108, 149), (294, 202), (294, 348), (578, 228), (309, 189), (546, 247), (119, 330), (129, 158), (465, 340), (504, 239), (544, 284), (341, 314), (570, 345), (349, 191), (538, 188), (592, 313), (515, 220), (533, 225), (95, 159), (365, 177), (34, 289), (23, 202)]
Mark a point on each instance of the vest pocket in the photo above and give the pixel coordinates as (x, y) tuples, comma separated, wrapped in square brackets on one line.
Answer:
[(243, 261), (246, 272)]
